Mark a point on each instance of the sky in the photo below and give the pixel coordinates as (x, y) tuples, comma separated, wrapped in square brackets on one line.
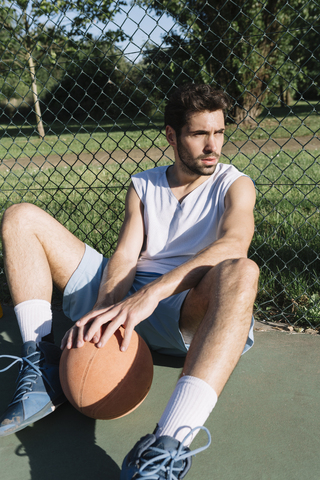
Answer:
[(140, 26)]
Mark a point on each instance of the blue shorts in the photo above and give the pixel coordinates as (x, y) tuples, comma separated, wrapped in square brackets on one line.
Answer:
[(160, 331)]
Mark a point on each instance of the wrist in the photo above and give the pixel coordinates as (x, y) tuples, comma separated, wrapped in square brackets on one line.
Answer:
[(158, 289), (103, 303)]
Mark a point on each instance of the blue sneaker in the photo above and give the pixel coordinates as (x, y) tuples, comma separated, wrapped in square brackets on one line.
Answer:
[(160, 458), (38, 391)]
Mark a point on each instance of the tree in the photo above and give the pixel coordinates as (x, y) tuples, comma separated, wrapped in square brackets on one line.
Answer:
[(243, 47), (305, 51), (99, 82), (37, 33)]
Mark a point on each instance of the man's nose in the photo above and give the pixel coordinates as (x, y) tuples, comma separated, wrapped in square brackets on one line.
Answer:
[(210, 145)]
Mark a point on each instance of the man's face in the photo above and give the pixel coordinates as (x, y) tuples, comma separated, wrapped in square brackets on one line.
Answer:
[(200, 143)]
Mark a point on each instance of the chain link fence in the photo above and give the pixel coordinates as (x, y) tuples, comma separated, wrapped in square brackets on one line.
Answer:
[(83, 89)]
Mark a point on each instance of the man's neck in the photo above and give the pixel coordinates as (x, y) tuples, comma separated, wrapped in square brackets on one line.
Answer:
[(183, 183), (179, 177)]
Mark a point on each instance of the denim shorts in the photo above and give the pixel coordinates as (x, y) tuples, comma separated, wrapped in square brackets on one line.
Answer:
[(160, 330)]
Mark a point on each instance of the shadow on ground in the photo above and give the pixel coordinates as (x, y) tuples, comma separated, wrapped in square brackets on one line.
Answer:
[(62, 446), (265, 425)]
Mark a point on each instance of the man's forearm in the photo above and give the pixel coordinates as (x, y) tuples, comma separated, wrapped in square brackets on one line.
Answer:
[(189, 274), (116, 281)]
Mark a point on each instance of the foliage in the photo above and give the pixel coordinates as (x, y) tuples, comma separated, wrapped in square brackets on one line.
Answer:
[(244, 47), (98, 82), (36, 42), (306, 49)]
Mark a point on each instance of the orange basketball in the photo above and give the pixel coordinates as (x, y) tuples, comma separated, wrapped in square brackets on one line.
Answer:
[(105, 383)]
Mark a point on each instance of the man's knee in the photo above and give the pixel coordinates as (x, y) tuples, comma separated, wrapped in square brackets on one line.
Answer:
[(241, 277), (241, 274), (239, 269), (18, 215)]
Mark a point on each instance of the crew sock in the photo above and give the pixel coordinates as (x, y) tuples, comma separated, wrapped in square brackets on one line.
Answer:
[(34, 319), (189, 407)]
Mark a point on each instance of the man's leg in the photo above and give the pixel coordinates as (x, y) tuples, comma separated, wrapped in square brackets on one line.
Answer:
[(37, 252), (215, 319)]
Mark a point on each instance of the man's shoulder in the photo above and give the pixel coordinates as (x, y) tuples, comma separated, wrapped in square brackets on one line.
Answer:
[(227, 168), (148, 180), (227, 175), (151, 172)]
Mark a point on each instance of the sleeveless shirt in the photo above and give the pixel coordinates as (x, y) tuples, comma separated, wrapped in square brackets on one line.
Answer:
[(174, 231)]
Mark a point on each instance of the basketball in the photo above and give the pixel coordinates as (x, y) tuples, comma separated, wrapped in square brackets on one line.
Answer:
[(105, 383)]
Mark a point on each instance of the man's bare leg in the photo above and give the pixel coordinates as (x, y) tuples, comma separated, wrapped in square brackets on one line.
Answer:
[(38, 251), (215, 319), (230, 289)]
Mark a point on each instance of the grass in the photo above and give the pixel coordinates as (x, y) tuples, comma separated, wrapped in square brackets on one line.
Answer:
[(89, 137), (286, 243), (298, 120), (89, 201), (76, 138)]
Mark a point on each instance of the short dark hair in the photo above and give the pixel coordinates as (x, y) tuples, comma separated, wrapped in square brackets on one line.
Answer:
[(192, 98)]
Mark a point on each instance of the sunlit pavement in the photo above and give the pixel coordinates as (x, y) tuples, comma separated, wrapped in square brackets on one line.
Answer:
[(265, 426)]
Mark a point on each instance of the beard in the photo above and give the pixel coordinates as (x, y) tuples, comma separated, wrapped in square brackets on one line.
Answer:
[(194, 165)]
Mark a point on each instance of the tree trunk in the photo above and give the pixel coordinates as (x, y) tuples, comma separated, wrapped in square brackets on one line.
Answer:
[(288, 97), (282, 96), (249, 111), (35, 97)]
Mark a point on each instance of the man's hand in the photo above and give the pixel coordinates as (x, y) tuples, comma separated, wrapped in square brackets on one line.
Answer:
[(99, 325), (72, 338)]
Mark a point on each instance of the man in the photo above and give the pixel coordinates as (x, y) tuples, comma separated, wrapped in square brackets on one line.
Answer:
[(180, 276)]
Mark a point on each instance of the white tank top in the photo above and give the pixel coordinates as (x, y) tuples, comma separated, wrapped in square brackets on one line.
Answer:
[(176, 231)]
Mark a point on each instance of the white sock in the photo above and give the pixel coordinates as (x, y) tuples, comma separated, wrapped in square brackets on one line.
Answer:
[(34, 319), (189, 407)]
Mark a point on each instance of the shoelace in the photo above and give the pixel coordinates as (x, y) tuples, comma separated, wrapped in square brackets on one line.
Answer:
[(165, 460), (30, 377)]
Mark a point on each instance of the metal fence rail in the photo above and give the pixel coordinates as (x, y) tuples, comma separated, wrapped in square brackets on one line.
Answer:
[(82, 95)]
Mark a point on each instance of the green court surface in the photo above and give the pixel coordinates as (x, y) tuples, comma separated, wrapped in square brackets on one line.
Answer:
[(266, 425)]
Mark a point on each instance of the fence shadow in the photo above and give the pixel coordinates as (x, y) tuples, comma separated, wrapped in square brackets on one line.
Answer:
[(62, 446)]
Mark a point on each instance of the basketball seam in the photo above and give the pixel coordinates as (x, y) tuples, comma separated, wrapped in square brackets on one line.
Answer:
[(141, 398), (84, 379)]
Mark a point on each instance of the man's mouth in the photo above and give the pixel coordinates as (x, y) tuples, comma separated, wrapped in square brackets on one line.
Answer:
[(210, 160)]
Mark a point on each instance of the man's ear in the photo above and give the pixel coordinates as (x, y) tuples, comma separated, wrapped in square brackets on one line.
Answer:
[(171, 136)]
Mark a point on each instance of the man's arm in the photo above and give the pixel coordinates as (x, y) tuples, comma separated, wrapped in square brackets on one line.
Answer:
[(235, 234), (119, 273)]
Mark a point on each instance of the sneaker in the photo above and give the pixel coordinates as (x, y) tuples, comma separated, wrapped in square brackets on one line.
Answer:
[(160, 458), (38, 391)]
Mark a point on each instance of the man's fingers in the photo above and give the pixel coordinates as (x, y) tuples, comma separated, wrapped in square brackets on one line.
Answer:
[(126, 338), (78, 340), (99, 326), (96, 337), (90, 317), (103, 321), (93, 330), (64, 341), (71, 337), (109, 330)]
